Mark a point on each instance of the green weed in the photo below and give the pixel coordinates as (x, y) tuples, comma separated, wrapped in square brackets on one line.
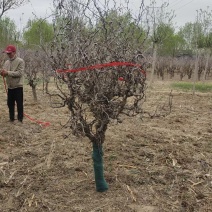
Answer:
[(188, 86)]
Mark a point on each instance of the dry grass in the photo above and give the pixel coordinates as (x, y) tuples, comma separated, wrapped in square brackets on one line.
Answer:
[(151, 164)]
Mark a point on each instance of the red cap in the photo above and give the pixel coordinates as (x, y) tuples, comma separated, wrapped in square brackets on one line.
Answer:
[(10, 49)]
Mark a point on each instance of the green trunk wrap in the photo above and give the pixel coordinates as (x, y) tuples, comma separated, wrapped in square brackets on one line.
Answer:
[(101, 184)]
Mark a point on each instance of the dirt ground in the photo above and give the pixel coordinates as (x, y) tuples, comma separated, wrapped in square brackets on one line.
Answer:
[(151, 164)]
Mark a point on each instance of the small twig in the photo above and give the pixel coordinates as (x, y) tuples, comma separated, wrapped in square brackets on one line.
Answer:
[(30, 201), (131, 192), (128, 166), (11, 176), (195, 184), (3, 163)]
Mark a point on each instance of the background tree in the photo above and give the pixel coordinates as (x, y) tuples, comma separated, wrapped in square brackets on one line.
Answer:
[(38, 32), (33, 66), (8, 33), (36, 37), (173, 44), (158, 21), (189, 34), (205, 37)]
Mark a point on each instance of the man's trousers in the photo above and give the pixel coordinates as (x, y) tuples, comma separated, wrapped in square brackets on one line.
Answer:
[(15, 96)]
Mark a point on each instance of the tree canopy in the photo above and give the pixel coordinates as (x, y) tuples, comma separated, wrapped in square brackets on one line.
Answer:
[(38, 32)]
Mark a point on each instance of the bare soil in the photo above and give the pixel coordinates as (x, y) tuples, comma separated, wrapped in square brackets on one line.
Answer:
[(163, 163)]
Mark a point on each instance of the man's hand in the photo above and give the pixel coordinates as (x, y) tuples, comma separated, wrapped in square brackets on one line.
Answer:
[(3, 73)]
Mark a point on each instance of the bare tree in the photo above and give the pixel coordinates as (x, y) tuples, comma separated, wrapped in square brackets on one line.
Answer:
[(6, 5), (35, 63), (205, 18), (105, 80)]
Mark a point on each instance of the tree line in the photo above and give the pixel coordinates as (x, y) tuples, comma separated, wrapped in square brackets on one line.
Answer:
[(152, 29)]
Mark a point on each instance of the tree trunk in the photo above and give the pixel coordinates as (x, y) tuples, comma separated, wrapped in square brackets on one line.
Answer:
[(206, 66), (101, 184), (47, 87), (153, 64), (34, 93), (195, 72)]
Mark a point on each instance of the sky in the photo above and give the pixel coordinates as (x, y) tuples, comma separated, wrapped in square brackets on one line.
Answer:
[(35, 8), (185, 10)]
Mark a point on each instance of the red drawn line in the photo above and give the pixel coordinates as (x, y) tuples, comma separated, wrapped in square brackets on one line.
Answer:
[(101, 66), (44, 124)]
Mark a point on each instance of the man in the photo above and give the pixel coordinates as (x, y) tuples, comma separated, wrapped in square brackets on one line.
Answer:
[(13, 70)]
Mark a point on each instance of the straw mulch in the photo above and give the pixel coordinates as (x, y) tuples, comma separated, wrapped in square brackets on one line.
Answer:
[(152, 163)]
